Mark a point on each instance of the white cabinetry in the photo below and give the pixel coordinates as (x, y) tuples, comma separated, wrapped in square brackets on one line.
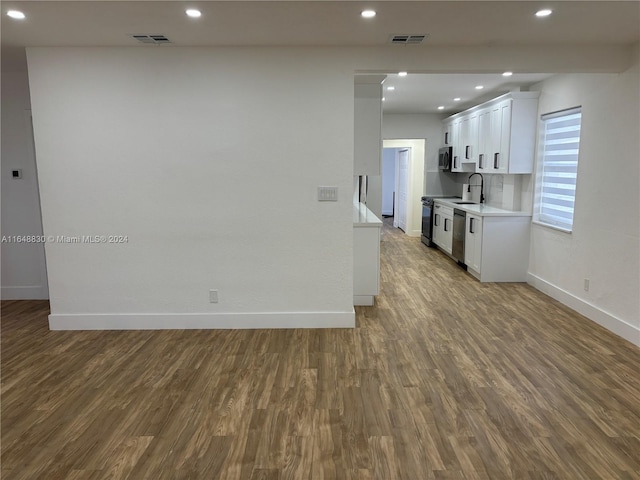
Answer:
[(443, 227), (484, 140), (366, 255), (456, 143), (473, 242), (469, 137), (368, 127), (497, 248), (446, 134), (497, 136)]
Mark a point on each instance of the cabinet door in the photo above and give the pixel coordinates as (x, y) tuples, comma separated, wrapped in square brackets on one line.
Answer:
[(484, 141), (447, 233), (470, 138), (456, 135), (447, 134), (502, 165), (437, 225), (473, 242)]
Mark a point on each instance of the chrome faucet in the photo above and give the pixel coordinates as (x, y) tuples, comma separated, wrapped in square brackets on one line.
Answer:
[(481, 186)]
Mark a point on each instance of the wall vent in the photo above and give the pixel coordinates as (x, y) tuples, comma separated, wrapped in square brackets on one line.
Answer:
[(408, 39), (155, 39)]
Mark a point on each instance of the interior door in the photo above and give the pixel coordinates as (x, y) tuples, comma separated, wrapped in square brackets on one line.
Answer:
[(401, 189)]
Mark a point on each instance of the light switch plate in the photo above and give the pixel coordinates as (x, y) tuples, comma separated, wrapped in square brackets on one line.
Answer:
[(213, 296), (327, 194)]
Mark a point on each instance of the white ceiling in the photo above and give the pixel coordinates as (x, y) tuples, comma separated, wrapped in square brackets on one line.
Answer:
[(333, 23), (423, 93), (67, 23)]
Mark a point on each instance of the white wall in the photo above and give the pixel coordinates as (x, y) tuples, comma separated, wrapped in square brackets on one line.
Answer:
[(429, 127), (208, 160), (415, 185), (23, 264), (604, 246), (388, 179)]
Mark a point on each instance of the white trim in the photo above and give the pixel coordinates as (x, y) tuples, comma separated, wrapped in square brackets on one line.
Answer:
[(363, 300), (549, 225), (612, 323), (31, 292), (184, 321)]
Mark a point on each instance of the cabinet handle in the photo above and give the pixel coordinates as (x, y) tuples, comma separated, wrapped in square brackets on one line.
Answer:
[(471, 225), (481, 161), (455, 161), (435, 219), (446, 138), (445, 225), (467, 152), (496, 159)]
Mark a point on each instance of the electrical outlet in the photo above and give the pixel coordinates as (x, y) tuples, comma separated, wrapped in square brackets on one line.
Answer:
[(213, 296), (586, 284), (327, 194)]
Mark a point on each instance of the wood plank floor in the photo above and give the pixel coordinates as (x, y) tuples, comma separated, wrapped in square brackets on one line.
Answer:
[(445, 378)]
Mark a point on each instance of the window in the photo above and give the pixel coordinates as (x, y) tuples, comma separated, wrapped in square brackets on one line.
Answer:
[(560, 146)]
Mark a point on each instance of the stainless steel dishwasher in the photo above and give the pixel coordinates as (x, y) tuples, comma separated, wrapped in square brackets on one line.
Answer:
[(459, 230)]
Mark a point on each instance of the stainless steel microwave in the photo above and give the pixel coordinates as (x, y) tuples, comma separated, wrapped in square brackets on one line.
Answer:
[(445, 157)]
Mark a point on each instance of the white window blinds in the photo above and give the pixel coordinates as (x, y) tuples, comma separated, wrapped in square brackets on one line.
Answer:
[(557, 186)]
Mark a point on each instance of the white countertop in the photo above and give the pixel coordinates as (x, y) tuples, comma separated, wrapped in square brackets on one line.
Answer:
[(363, 217), (480, 209)]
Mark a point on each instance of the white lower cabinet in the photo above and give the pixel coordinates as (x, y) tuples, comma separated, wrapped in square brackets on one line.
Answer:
[(366, 264), (497, 248), (473, 243), (443, 227)]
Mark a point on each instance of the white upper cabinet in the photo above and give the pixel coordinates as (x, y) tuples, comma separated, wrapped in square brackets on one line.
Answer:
[(447, 139), (470, 138), (456, 137), (497, 136), (484, 140), (368, 125)]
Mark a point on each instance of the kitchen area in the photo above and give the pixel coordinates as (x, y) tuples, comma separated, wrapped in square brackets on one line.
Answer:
[(476, 183), (488, 237)]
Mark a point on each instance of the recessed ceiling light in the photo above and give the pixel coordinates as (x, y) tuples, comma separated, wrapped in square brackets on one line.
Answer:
[(457, 99), (543, 13), (441, 107), (368, 13), (193, 13), (402, 74), (17, 14), (391, 89), (383, 99), (507, 74), (479, 87)]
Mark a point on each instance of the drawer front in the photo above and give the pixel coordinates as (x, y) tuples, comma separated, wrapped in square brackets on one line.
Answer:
[(443, 209)]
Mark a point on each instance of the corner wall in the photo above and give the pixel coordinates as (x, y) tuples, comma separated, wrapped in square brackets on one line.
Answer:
[(24, 274), (605, 244)]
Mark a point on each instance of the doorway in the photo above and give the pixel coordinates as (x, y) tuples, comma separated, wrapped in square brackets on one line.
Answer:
[(407, 161), (401, 188)]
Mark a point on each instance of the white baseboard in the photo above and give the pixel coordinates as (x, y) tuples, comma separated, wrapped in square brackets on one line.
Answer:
[(36, 292), (176, 321), (363, 300), (606, 320)]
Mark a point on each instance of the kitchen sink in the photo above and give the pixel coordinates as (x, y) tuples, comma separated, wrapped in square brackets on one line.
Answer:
[(465, 203)]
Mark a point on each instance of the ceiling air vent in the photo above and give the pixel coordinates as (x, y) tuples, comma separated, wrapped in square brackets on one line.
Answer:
[(151, 39), (408, 39)]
